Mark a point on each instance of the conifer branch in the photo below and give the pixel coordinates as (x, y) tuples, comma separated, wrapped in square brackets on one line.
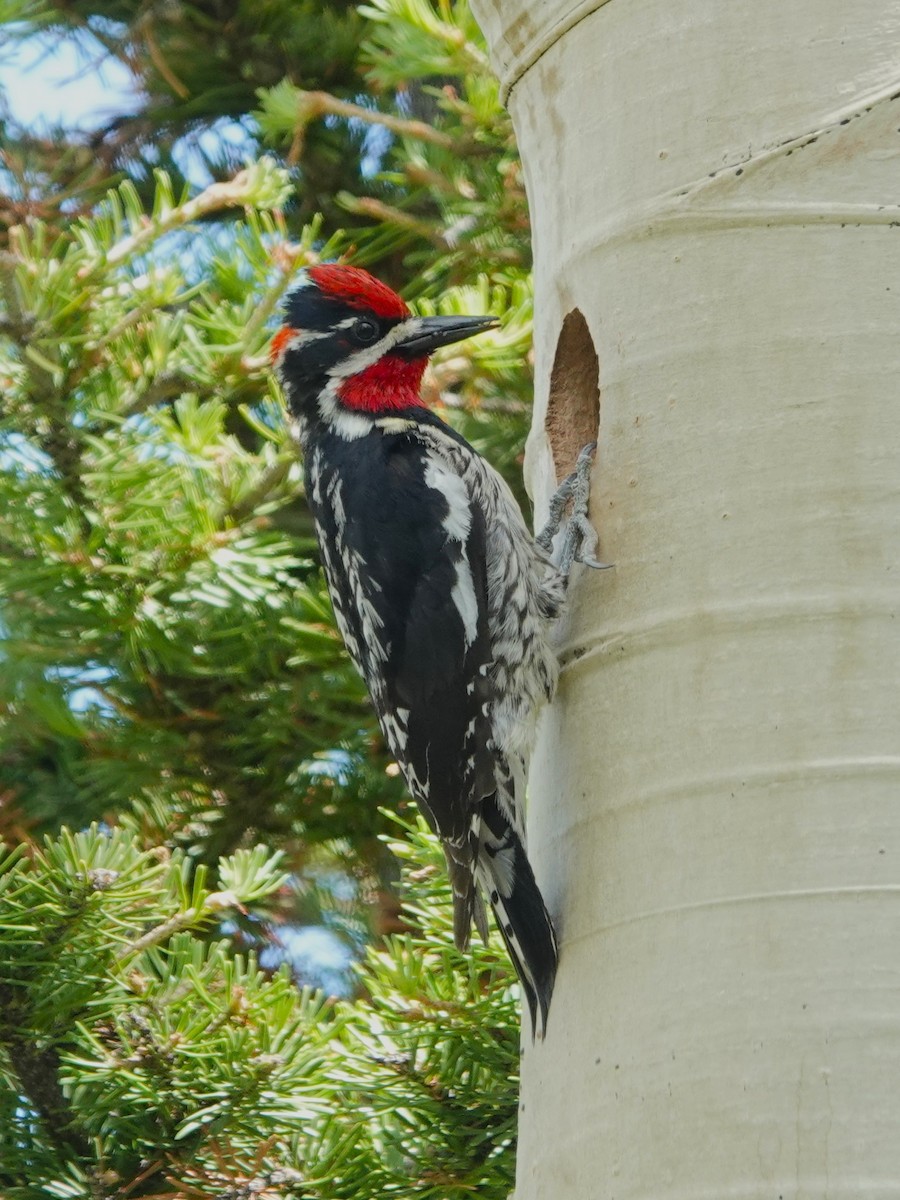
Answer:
[(167, 385), (187, 919), (313, 105), (261, 185), (14, 323), (174, 666), (37, 1070), (389, 214), (269, 482), (54, 432)]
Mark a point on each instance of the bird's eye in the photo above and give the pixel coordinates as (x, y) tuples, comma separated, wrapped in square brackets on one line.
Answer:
[(365, 331)]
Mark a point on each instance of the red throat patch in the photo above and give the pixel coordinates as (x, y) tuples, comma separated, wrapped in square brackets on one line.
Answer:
[(392, 383), (357, 288)]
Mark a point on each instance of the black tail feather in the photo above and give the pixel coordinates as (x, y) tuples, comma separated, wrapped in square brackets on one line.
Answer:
[(468, 906), (503, 869)]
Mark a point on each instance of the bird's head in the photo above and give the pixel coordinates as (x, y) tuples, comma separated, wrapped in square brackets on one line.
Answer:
[(351, 344)]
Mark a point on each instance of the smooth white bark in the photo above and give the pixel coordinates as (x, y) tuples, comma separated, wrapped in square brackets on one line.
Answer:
[(716, 792)]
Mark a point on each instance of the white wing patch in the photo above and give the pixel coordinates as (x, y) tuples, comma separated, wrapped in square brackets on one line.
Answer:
[(458, 521), (463, 596), (457, 525)]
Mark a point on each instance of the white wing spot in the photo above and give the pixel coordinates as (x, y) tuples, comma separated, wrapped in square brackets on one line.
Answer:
[(458, 521), (457, 525), (463, 596)]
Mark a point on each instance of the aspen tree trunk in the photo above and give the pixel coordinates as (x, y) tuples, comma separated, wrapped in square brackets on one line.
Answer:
[(715, 797)]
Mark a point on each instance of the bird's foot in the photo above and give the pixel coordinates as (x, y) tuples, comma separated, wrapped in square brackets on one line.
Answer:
[(580, 538)]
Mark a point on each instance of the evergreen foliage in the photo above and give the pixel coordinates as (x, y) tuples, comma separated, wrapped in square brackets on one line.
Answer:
[(142, 1058), (170, 669)]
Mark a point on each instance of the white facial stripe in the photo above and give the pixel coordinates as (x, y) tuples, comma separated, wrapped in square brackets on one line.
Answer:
[(301, 338), (371, 354)]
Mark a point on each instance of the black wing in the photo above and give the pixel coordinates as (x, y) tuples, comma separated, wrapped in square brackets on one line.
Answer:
[(410, 588), (409, 583)]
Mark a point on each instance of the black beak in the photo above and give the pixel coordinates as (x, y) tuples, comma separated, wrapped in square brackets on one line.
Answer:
[(434, 332)]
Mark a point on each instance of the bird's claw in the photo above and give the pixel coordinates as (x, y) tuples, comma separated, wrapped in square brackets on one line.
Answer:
[(587, 541), (580, 538)]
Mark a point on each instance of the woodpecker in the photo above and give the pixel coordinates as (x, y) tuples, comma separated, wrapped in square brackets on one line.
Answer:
[(443, 597)]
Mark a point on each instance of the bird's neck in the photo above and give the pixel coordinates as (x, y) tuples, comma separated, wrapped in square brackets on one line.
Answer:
[(388, 385), (350, 407)]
